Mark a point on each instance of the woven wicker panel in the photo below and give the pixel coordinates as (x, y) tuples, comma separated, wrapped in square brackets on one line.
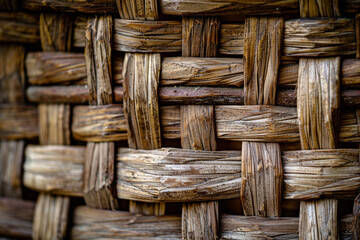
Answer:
[(179, 119)]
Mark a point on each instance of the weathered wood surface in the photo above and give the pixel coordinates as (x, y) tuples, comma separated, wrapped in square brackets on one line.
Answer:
[(202, 71), (204, 170), (257, 123), (262, 179), (138, 9), (98, 7), (58, 94), (312, 174), (318, 102), (262, 51), (56, 32), (94, 223), (99, 176), (330, 37), (65, 68), (147, 36), (51, 217), (302, 37), (98, 59), (54, 124), (11, 162), (54, 169), (99, 123), (198, 127), (180, 7), (201, 96), (141, 106), (200, 36), (312, 9), (18, 121), (318, 219), (48, 68), (12, 75), (16, 219), (19, 27), (225, 7), (248, 227), (200, 220)]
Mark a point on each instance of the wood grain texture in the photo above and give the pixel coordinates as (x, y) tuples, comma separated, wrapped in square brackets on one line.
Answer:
[(98, 7), (15, 223), (55, 169), (318, 101), (58, 94), (232, 39), (18, 121), (356, 218), (54, 124), (98, 59), (50, 217), (315, 38), (200, 36), (141, 107), (89, 222), (204, 175), (302, 38), (313, 8), (99, 123), (11, 160), (257, 123), (225, 7), (12, 75), (262, 51), (201, 71), (147, 36), (94, 223), (318, 219), (138, 9), (48, 68), (246, 227), (198, 127), (262, 177), (200, 220), (99, 176), (56, 32), (311, 174), (19, 27)]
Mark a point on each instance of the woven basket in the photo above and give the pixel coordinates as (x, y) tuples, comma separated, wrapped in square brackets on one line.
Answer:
[(180, 119)]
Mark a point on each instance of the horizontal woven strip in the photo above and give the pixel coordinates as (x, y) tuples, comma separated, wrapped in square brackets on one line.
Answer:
[(181, 175), (90, 222), (165, 36)]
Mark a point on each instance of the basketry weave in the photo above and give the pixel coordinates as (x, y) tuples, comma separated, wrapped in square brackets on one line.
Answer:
[(180, 119)]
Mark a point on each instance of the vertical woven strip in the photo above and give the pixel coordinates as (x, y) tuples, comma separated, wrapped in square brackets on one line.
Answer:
[(51, 212), (199, 39), (261, 166), (318, 103), (12, 91), (141, 79), (99, 167)]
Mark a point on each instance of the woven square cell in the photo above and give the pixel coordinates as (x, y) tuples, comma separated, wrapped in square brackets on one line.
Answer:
[(180, 119)]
